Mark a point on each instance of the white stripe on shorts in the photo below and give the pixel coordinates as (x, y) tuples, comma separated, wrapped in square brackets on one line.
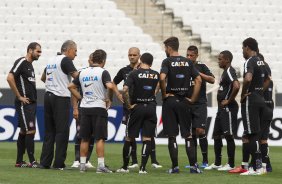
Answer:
[(23, 115), (248, 116)]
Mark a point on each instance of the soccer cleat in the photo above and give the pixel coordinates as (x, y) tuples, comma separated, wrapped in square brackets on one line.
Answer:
[(173, 170), (143, 172), (204, 165), (21, 164), (89, 165), (34, 164), (261, 171), (249, 172), (156, 165), (226, 167), (269, 169), (75, 164), (187, 166), (213, 166), (195, 169), (103, 170), (82, 168), (122, 170), (238, 170), (132, 166)]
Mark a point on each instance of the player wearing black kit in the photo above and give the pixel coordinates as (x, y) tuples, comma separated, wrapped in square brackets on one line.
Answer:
[(267, 118), (176, 72), (94, 82), (142, 105), (252, 103), (22, 82), (226, 117), (199, 111), (133, 56), (57, 76)]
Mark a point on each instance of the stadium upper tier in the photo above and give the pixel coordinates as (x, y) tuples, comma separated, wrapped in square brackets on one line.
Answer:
[(225, 24), (92, 24)]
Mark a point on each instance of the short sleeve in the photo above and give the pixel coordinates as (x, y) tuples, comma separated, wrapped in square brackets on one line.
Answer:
[(207, 71), (119, 77), (67, 66), (76, 80), (17, 68), (249, 67), (231, 72), (106, 77), (164, 67)]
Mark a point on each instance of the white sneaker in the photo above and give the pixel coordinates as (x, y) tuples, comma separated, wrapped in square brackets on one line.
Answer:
[(122, 170), (261, 171), (250, 172), (156, 165), (213, 166), (75, 164), (226, 167), (143, 172), (89, 165), (133, 166)]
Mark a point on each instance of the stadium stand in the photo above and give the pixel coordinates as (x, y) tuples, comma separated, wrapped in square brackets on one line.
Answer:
[(91, 24), (224, 24)]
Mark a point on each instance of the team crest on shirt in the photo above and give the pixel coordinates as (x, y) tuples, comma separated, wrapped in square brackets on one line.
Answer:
[(31, 124)]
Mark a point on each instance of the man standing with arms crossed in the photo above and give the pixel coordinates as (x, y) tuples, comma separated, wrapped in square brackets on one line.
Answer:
[(142, 104), (199, 111), (94, 82), (21, 80), (57, 76), (176, 72)]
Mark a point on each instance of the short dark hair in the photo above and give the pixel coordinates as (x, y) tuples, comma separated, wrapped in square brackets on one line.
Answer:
[(193, 48), (98, 56), (172, 42), (261, 57), (147, 58), (67, 45), (32, 46), (227, 55), (251, 43)]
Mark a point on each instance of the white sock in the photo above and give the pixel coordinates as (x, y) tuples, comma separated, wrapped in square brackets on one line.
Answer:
[(83, 160), (101, 162), (246, 165)]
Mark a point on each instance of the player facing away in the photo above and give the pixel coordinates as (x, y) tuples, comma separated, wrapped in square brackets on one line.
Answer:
[(95, 83), (142, 105), (21, 80), (199, 111), (226, 118), (176, 72), (133, 57), (252, 105)]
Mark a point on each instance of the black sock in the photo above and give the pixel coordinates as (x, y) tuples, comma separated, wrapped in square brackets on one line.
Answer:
[(173, 151), (230, 150), (153, 152), (264, 153), (126, 154), (255, 151), (204, 147), (246, 152), (20, 147), (190, 151), (217, 151), (196, 146), (145, 153), (77, 149), (134, 152), (29, 143), (90, 149)]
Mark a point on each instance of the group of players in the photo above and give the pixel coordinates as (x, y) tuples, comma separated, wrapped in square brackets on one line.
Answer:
[(182, 81)]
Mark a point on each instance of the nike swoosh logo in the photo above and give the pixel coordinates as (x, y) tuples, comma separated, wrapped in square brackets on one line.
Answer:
[(87, 85), (48, 73)]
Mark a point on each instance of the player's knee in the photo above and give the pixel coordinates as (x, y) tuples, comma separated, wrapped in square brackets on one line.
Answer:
[(229, 137), (172, 139), (31, 132), (245, 139), (144, 138), (200, 131), (263, 142), (129, 139)]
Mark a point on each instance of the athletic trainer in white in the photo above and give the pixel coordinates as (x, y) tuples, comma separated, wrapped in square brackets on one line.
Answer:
[(133, 166), (226, 167), (213, 166), (75, 164), (122, 170)]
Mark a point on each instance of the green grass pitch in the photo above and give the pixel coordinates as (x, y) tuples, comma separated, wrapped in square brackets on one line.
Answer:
[(10, 175)]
